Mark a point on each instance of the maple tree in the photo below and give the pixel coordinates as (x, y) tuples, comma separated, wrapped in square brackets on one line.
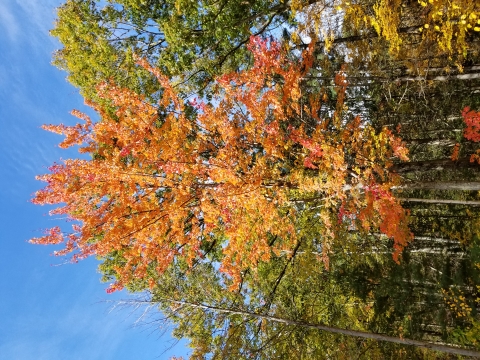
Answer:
[(167, 179)]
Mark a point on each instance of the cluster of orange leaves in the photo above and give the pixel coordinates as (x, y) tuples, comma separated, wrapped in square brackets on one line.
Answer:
[(472, 120), (162, 180), (471, 132)]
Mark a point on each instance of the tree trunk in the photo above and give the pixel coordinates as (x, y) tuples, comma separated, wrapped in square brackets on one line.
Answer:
[(442, 185), (439, 164), (470, 76), (441, 201), (362, 334), (374, 34), (435, 240), (430, 142)]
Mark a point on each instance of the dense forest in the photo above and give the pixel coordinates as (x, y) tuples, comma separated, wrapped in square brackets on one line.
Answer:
[(281, 179)]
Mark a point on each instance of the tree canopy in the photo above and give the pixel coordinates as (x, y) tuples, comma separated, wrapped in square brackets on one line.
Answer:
[(240, 166)]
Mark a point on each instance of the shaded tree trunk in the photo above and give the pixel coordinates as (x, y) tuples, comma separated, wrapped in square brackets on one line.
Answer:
[(361, 334), (438, 164), (441, 201), (442, 185)]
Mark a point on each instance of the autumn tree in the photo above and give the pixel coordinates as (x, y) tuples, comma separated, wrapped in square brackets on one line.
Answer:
[(165, 180)]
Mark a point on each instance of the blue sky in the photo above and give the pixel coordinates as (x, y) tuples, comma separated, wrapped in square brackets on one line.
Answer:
[(49, 310)]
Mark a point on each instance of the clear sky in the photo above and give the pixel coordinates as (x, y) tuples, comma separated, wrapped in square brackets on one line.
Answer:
[(48, 312)]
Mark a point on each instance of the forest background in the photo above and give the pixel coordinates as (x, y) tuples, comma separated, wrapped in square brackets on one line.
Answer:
[(322, 171)]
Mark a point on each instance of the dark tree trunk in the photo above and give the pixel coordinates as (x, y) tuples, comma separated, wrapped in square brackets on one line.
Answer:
[(439, 164)]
